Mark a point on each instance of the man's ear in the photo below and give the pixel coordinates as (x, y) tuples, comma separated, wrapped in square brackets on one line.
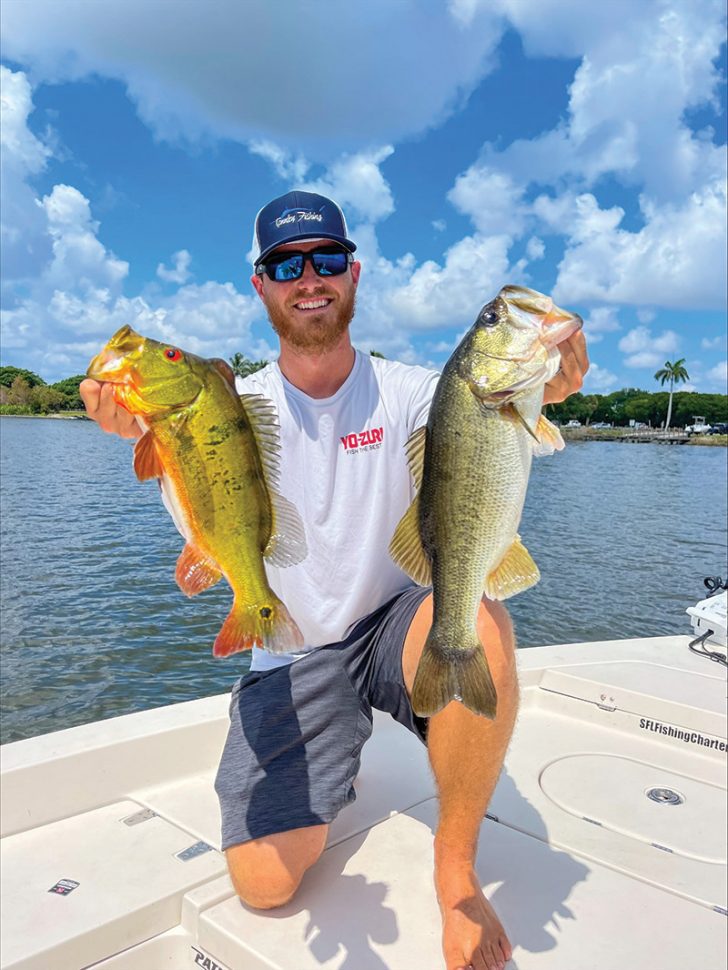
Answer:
[(257, 282), (355, 271)]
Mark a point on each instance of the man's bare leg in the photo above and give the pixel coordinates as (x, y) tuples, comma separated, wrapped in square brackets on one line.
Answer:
[(267, 872), (466, 753)]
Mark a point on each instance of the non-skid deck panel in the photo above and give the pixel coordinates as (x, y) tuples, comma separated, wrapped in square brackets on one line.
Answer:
[(577, 778), (394, 776), (130, 886), (369, 904)]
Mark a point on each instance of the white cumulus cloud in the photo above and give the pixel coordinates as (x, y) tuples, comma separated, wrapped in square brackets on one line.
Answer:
[(645, 349), (180, 271), (310, 81)]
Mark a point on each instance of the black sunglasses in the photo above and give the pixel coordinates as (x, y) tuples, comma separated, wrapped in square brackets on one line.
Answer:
[(327, 261)]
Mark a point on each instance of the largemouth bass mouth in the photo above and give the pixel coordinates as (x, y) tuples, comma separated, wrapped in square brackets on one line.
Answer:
[(471, 465), (216, 456)]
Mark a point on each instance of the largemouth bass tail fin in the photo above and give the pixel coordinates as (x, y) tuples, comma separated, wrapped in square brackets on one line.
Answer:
[(447, 674), (195, 571), (406, 547), (515, 572), (269, 625)]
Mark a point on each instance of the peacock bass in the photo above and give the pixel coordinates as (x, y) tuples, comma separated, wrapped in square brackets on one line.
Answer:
[(217, 458)]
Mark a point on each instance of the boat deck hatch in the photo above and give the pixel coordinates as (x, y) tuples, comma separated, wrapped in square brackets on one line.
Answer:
[(647, 803), (686, 698), (75, 890)]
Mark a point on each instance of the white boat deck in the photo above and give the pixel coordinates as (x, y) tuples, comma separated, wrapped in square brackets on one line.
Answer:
[(583, 868)]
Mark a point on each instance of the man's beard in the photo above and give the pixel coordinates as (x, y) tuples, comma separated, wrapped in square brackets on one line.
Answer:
[(319, 333)]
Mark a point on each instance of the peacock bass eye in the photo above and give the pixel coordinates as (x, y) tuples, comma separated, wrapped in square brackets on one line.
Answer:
[(173, 354)]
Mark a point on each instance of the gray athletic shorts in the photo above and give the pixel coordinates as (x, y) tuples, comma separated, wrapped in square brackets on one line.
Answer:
[(296, 732)]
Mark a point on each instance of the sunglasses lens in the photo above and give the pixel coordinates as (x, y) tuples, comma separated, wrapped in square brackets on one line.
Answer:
[(326, 262), (330, 264), (288, 268)]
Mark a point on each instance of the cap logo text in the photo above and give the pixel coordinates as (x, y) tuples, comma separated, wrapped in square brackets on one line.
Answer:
[(297, 215)]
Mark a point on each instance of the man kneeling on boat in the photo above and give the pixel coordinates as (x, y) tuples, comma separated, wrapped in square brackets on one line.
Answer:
[(299, 721)]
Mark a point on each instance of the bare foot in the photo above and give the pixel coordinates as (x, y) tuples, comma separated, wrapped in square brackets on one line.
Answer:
[(472, 935)]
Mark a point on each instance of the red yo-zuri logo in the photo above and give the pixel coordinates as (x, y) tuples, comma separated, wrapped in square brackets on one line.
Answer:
[(363, 440)]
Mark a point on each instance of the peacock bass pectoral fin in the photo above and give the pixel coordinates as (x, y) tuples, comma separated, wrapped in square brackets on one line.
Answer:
[(195, 571), (147, 463), (515, 572)]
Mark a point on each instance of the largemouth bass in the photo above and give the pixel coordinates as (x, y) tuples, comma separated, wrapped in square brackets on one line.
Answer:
[(216, 456), (471, 465)]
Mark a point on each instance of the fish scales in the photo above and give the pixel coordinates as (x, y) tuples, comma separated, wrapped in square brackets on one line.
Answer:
[(493, 457), (471, 468), (215, 455)]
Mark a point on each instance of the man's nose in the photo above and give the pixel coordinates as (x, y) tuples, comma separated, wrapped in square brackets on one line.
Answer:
[(309, 274)]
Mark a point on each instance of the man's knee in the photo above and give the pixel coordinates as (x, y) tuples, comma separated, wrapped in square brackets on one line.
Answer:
[(267, 872)]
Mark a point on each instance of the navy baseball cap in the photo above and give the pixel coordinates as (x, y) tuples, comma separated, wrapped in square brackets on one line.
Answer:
[(298, 215)]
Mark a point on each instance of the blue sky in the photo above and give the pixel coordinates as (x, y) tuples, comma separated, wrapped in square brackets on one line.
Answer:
[(575, 148)]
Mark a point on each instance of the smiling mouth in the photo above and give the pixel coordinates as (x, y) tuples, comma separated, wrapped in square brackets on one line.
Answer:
[(308, 305)]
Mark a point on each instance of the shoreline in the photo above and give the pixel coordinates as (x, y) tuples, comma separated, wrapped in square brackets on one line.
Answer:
[(62, 415), (569, 434)]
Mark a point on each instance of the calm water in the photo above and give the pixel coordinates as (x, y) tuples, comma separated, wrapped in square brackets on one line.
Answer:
[(93, 624)]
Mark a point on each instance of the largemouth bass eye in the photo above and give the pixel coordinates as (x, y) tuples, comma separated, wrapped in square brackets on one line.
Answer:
[(489, 318), (171, 353)]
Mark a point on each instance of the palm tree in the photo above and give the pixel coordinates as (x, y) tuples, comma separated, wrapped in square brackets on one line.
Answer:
[(674, 373)]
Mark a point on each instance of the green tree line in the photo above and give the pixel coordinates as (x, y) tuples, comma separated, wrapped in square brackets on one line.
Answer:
[(23, 392), (633, 404)]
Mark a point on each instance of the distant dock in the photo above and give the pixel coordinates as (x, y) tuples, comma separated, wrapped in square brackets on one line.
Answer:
[(642, 436), (647, 436)]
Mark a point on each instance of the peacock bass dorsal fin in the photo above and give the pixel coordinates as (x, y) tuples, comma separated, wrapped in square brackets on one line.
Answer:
[(406, 547), (515, 572), (286, 544), (147, 463)]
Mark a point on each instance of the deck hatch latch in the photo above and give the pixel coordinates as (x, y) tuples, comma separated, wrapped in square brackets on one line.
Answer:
[(141, 816), (192, 851)]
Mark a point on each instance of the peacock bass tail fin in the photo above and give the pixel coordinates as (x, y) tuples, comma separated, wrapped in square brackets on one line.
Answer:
[(268, 625)]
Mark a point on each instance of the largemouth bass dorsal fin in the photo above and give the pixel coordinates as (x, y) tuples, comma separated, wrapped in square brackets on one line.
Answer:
[(515, 572), (195, 571), (415, 451), (147, 463), (406, 547), (286, 544)]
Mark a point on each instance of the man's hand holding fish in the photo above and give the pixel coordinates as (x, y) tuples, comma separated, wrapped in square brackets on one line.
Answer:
[(436, 465)]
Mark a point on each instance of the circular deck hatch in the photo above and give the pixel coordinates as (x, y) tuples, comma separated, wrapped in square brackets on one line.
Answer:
[(665, 796)]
